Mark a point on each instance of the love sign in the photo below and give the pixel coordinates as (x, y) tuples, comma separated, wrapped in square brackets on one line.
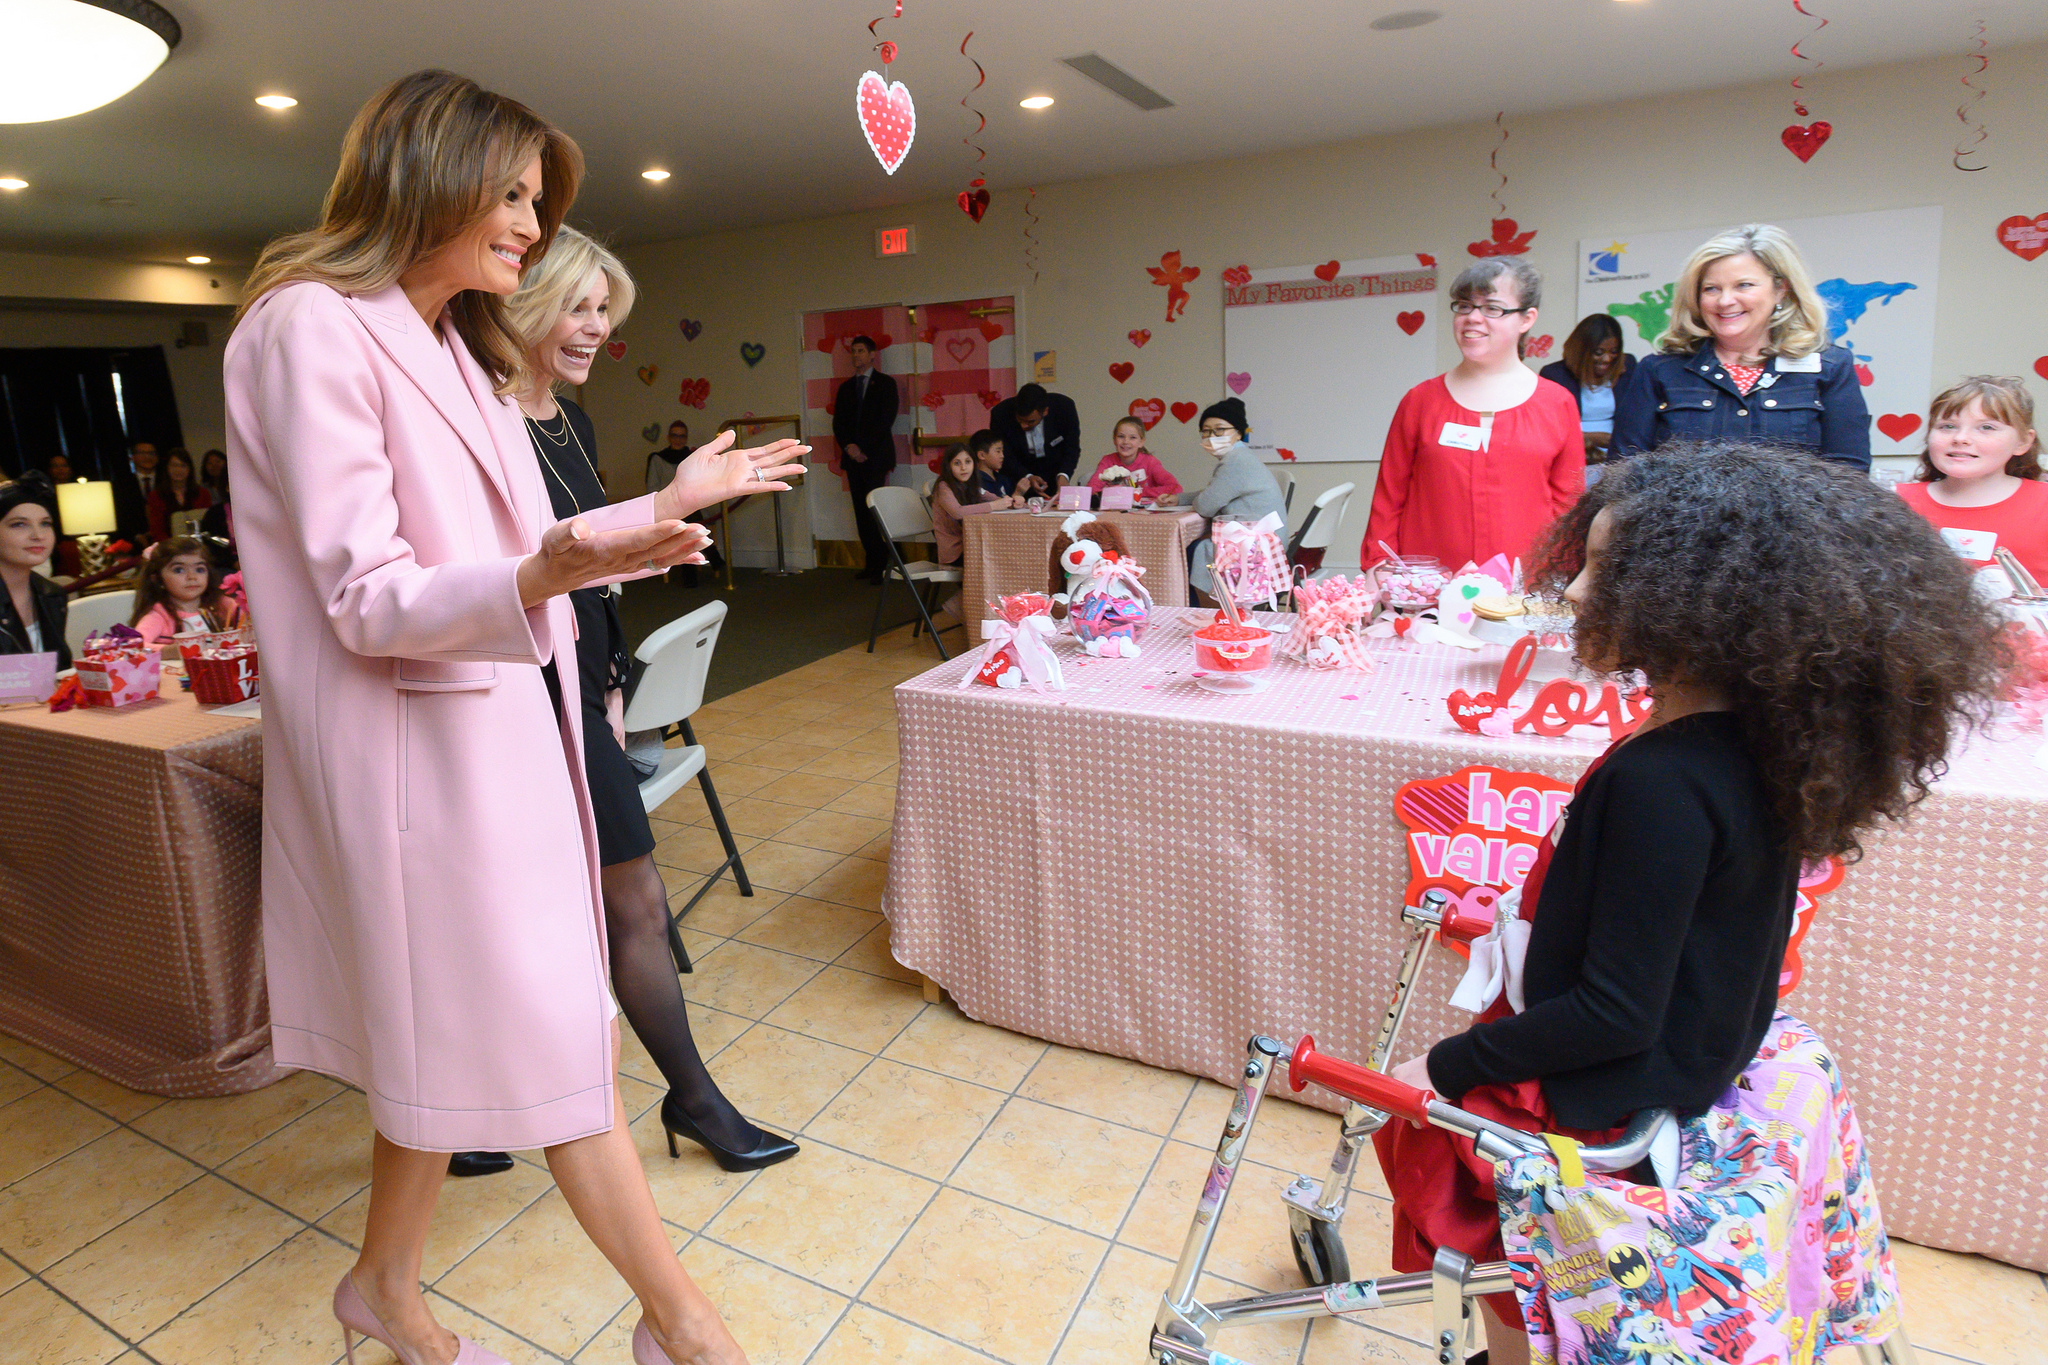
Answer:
[(1559, 705)]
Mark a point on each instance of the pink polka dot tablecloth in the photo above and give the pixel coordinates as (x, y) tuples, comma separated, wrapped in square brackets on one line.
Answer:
[(130, 921), (1142, 867)]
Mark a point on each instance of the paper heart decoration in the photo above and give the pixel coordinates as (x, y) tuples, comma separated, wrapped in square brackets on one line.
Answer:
[(751, 352), (825, 344), (1437, 806), (651, 432), (1327, 271), (649, 373), (989, 398), (1237, 381), (1899, 425), (1139, 336), (1284, 453), (2024, 237), (1540, 346), (888, 119), (1148, 411), (1238, 276), (934, 400), (1185, 412), (999, 663), (973, 203), (1426, 258), (694, 393), (1803, 142), (928, 335), (1122, 370), (615, 349), (990, 329), (1864, 376), (2041, 367), (1411, 323), (959, 348), (692, 329), (1469, 710)]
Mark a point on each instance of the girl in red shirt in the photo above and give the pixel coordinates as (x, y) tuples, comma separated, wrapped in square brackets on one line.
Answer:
[(1980, 480)]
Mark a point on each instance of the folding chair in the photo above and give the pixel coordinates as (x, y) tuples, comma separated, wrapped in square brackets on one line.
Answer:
[(904, 518), (1318, 530), (96, 612), (678, 656)]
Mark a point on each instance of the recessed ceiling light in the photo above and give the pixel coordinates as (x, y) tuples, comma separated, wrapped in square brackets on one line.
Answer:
[(1036, 102), (68, 56), (8, 182), (1407, 18), (199, 260), (276, 101), (654, 173)]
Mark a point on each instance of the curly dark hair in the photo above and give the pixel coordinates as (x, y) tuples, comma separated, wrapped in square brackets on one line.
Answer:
[(1837, 623)]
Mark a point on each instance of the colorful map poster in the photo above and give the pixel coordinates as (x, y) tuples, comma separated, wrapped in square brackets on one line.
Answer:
[(1877, 272)]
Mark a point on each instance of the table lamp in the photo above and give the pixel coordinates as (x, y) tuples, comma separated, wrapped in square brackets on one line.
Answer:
[(86, 508)]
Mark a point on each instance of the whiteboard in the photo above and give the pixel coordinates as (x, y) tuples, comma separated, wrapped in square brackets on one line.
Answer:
[(1322, 354)]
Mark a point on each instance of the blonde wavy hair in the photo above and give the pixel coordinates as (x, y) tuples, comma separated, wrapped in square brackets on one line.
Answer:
[(1799, 327), (553, 287), (424, 161)]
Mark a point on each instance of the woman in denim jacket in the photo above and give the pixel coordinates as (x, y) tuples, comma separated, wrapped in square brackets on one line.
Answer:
[(1746, 357)]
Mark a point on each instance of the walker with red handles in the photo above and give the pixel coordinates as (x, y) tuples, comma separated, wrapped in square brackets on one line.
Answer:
[(1185, 1326)]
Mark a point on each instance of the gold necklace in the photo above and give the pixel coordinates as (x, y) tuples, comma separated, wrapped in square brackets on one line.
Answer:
[(570, 428)]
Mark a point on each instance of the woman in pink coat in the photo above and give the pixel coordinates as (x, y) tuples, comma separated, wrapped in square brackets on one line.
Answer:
[(431, 914)]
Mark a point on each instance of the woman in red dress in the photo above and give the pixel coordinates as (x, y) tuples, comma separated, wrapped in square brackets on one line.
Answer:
[(1480, 460)]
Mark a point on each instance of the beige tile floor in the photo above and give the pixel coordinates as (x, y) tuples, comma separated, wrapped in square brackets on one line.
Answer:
[(964, 1195)]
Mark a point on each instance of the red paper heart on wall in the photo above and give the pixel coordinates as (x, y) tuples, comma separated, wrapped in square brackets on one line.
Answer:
[(1411, 323), (1284, 453), (1148, 411), (1864, 376), (615, 349), (1425, 258), (1139, 336), (1804, 142), (2024, 237), (973, 203), (2041, 367), (649, 373), (825, 344), (1540, 346), (888, 118), (960, 348), (1469, 710), (694, 393), (990, 329), (1327, 271), (1238, 276), (1185, 412), (1899, 425), (1122, 370), (934, 400), (989, 398)]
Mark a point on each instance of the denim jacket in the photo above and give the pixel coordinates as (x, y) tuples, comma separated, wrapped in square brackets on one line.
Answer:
[(1816, 403)]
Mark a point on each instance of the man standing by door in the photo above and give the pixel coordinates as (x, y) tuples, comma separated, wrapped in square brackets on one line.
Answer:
[(863, 423)]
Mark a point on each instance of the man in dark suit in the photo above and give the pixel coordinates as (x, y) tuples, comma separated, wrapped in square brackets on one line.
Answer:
[(132, 487), (863, 423), (1041, 435)]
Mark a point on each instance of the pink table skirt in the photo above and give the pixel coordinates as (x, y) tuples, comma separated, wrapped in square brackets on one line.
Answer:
[(1140, 867), (1010, 552)]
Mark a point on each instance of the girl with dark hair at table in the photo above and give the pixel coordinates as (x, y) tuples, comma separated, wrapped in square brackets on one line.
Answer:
[(957, 495), (1815, 651), (32, 608), (1592, 371), (178, 592), (177, 490)]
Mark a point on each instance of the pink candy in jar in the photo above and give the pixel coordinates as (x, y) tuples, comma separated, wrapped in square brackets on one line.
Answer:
[(1413, 584), (1226, 648)]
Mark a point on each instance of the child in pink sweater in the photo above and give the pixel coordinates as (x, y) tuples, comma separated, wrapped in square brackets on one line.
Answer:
[(1154, 480)]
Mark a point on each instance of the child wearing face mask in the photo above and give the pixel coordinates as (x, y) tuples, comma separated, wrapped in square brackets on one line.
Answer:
[(1979, 481), (1155, 481), (1241, 489), (178, 593)]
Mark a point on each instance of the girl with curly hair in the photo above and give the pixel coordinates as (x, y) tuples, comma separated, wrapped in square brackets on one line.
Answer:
[(1814, 650)]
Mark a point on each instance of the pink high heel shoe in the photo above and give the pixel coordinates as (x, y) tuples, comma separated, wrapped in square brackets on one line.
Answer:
[(646, 1350), (358, 1321)]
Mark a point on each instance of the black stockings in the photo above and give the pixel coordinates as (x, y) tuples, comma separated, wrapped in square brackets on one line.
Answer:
[(644, 979)]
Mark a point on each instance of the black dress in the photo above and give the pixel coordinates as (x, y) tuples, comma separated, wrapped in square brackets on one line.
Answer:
[(567, 449)]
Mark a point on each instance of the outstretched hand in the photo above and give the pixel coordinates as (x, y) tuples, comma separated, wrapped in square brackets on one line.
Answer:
[(572, 554), (716, 471)]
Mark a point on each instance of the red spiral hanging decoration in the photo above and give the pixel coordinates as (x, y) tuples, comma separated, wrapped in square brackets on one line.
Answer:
[(1508, 238), (973, 200), (883, 48), (1967, 111), (1030, 233), (1500, 208), (1803, 140)]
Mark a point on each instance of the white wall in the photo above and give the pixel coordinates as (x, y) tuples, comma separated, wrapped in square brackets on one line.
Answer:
[(1635, 167), (26, 275), (195, 370)]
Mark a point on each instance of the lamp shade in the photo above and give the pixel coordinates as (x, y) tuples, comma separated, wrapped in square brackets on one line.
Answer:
[(86, 507), (63, 57)]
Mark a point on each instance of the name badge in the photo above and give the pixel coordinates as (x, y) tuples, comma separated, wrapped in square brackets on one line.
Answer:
[(1459, 435), (1977, 545), (1056, 440), (1806, 364)]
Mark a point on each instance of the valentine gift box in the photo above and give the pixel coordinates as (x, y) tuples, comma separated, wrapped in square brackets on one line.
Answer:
[(117, 669), (1017, 646), (221, 665), (1328, 616)]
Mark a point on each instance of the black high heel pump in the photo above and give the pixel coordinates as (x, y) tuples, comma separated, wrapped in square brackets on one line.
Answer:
[(771, 1149)]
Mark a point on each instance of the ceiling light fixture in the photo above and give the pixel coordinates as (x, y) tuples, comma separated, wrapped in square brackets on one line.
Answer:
[(199, 260), (1036, 102), (1407, 18), (654, 173), (277, 101), (68, 56), (8, 182)]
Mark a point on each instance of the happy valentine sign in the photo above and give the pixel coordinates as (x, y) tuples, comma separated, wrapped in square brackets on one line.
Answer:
[(1478, 827)]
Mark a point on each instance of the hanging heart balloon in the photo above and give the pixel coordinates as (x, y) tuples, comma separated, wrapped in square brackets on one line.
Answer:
[(888, 116), (973, 200), (1803, 140)]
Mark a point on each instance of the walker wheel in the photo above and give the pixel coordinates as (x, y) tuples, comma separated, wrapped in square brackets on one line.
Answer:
[(1318, 1250)]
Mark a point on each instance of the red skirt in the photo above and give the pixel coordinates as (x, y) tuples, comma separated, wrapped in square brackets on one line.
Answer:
[(1443, 1190)]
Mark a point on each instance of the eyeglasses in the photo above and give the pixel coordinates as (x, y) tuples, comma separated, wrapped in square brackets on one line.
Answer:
[(1466, 309), (1217, 430)]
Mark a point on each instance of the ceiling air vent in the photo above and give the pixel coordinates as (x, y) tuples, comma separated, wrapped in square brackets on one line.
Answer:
[(1118, 81)]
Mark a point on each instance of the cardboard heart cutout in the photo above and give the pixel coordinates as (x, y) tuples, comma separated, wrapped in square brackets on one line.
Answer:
[(1425, 258), (990, 329), (649, 373), (888, 119), (1411, 323), (2024, 237), (1864, 376), (1284, 453), (1238, 276), (1327, 271), (959, 348), (1238, 381), (1139, 336), (751, 352), (1899, 425), (651, 432), (1539, 347), (1804, 142), (2041, 367), (615, 349), (825, 344), (973, 203), (1469, 710), (692, 329), (1184, 412), (1122, 370), (694, 393), (1147, 410)]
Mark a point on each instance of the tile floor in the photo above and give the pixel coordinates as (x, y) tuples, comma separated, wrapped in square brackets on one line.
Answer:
[(965, 1194)]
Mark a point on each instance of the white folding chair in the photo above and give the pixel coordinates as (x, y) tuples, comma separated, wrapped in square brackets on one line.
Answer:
[(904, 517), (1286, 492), (1319, 529), (90, 615), (677, 659)]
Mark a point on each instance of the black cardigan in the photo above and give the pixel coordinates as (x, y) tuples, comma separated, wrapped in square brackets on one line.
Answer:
[(51, 606), (1659, 934)]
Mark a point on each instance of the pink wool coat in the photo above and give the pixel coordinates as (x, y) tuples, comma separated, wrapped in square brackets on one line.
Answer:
[(431, 905)]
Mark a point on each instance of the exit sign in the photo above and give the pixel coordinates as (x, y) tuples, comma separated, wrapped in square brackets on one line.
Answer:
[(896, 241)]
